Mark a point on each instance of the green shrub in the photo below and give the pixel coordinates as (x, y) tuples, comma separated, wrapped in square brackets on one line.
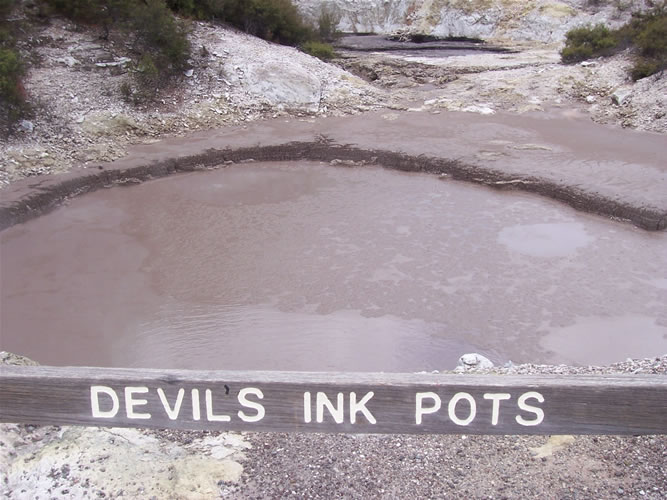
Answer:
[(85, 11), (162, 43), (11, 69), (274, 20), (13, 105), (161, 36), (183, 7), (12, 96), (199, 9), (6, 7), (645, 67), (646, 32), (652, 40), (652, 43), (327, 23), (148, 74), (588, 41), (320, 50)]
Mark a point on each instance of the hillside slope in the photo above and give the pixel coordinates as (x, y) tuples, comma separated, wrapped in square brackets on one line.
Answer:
[(76, 79)]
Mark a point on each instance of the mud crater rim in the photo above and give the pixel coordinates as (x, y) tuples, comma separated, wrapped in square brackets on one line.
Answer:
[(30, 198)]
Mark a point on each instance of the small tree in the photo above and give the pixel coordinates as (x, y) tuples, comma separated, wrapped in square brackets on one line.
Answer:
[(328, 22)]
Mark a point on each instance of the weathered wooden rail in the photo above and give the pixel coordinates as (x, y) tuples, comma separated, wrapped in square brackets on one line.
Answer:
[(334, 402)]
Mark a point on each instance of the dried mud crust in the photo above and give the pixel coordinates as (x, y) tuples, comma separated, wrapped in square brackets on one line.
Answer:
[(21, 205)]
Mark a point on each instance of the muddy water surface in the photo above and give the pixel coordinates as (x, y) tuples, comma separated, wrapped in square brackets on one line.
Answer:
[(313, 267)]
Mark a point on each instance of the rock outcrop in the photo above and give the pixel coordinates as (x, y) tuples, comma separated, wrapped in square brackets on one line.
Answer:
[(90, 462), (473, 361), (534, 20)]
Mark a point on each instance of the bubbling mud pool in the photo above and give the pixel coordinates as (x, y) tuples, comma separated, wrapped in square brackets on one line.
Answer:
[(305, 266)]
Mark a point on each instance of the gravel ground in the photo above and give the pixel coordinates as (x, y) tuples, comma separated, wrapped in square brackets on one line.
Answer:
[(398, 466)]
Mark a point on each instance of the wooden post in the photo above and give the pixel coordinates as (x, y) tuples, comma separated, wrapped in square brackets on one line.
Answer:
[(335, 402)]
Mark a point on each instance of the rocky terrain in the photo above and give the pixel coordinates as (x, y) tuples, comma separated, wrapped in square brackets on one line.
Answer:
[(518, 20), (81, 115), (75, 82), (532, 79)]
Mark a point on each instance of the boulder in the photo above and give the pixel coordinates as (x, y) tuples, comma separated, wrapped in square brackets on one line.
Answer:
[(87, 462), (68, 61), (473, 361), (289, 86), (90, 462), (26, 126), (621, 95), (8, 358)]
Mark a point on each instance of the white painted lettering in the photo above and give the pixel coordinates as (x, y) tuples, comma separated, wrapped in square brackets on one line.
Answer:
[(131, 402), (243, 399), (336, 412), (307, 417), (360, 407), (209, 409), (171, 413), (451, 408), (420, 410), (539, 413), (95, 392), (196, 410), (496, 398)]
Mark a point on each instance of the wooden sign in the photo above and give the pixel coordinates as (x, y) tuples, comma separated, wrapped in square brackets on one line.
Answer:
[(333, 402)]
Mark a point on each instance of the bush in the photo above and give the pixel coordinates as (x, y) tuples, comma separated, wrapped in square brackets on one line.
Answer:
[(13, 104), (645, 67), (199, 9), (161, 36), (6, 7), (588, 41), (320, 50), (12, 95), (646, 32), (158, 38), (651, 39), (86, 11), (148, 75), (328, 22), (274, 20)]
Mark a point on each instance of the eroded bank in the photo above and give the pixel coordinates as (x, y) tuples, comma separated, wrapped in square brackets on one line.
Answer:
[(603, 170)]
